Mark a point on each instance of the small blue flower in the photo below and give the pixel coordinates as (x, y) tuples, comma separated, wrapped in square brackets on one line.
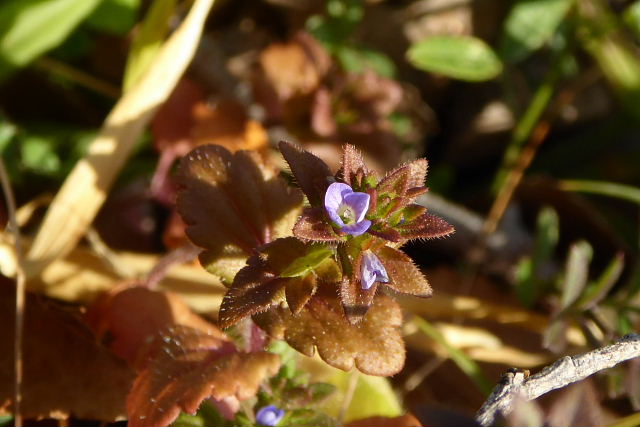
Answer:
[(372, 270), (347, 208), (269, 416)]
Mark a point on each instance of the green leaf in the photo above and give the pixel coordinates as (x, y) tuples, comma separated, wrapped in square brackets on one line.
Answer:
[(530, 24), (615, 53), (312, 258), (464, 362), (597, 290), (148, 41), (631, 17), (115, 16), (529, 269), (459, 57), (576, 273), (611, 189), (39, 155), (356, 60), (30, 28)]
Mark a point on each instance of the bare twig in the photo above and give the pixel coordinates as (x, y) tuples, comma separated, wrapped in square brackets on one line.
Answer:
[(563, 372), (20, 294)]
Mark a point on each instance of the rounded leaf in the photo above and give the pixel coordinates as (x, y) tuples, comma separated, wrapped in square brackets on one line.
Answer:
[(459, 57)]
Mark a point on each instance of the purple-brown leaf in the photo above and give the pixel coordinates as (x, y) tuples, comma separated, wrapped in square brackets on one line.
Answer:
[(310, 172), (233, 201), (352, 162), (188, 367), (312, 225), (374, 346), (259, 285), (426, 226), (404, 276)]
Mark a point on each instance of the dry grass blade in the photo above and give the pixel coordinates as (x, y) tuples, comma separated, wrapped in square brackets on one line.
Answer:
[(20, 295), (86, 187)]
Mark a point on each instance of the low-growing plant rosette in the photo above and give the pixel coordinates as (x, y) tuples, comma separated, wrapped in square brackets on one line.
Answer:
[(319, 285)]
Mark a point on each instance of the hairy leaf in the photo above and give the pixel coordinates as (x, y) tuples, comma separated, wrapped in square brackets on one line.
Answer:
[(312, 225), (63, 363), (299, 292), (188, 367), (279, 265), (233, 202), (404, 276), (352, 163), (374, 346), (426, 226), (254, 290), (395, 183), (355, 300), (310, 172)]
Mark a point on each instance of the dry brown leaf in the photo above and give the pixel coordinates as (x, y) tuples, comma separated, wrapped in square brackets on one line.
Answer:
[(86, 187), (129, 316), (189, 366), (374, 346), (66, 371), (228, 125)]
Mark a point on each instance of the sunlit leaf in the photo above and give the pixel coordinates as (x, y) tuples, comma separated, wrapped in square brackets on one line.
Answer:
[(596, 291), (374, 346), (129, 316), (530, 24), (404, 276), (352, 163), (188, 367), (576, 273), (314, 225), (426, 226), (458, 57), (29, 29), (233, 203), (309, 171), (63, 363), (148, 41), (85, 188), (282, 265)]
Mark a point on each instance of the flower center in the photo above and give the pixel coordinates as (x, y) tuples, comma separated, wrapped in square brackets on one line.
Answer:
[(347, 214)]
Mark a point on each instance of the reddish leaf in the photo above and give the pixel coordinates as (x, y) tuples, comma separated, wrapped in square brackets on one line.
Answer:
[(352, 163), (355, 300), (188, 367), (310, 172), (396, 183), (426, 226), (66, 370), (299, 292), (404, 276), (258, 286), (254, 290), (129, 316), (312, 225), (233, 202), (374, 346), (388, 234)]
